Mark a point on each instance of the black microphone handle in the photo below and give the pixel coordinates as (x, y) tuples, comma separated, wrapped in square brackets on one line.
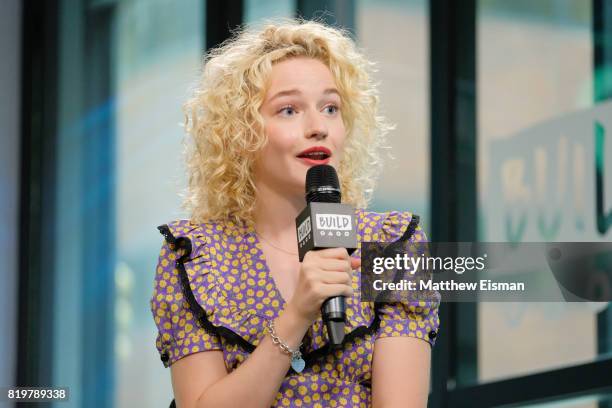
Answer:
[(333, 313)]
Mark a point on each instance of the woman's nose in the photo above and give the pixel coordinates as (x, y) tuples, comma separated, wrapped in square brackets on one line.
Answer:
[(316, 127)]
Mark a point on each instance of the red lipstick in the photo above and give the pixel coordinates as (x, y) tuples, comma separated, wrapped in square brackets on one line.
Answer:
[(315, 155)]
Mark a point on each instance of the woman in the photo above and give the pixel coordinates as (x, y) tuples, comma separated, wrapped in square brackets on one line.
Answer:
[(271, 104)]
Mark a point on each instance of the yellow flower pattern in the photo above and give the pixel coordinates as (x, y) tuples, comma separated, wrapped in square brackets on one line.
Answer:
[(233, 294)]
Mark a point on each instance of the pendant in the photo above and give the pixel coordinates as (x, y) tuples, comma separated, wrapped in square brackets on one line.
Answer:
[(298, 364)]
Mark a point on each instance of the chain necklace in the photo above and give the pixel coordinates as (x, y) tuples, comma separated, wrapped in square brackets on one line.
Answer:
[(274, 246)]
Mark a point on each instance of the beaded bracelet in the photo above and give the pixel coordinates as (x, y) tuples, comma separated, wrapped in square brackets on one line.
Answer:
[(297, 362)]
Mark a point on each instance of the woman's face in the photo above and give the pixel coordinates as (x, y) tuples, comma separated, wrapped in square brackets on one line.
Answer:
[(303, 123)]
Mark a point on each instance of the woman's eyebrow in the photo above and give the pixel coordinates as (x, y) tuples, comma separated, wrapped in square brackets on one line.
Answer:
[(331, 91), (290, 92)]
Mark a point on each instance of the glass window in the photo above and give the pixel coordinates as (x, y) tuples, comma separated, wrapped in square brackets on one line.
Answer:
[(256, 11), (600, 401), (158, 48), (536, 124), (395, 35), (10, 27)]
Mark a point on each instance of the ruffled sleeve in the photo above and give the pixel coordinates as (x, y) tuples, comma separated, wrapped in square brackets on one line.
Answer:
[(417, 319), (179, 333)]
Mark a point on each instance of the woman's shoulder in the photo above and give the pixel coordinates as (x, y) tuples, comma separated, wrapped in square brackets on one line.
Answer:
[(388, 225), (190, 234), (202, 263), (186, 227)]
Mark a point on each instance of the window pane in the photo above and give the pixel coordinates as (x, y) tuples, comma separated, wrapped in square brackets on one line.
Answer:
[(158, 50), (256, 11), (10, 42), (536, 177), (394, 34), (582, 402)]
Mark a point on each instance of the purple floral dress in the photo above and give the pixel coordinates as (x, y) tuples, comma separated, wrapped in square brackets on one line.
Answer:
[(213, 291)]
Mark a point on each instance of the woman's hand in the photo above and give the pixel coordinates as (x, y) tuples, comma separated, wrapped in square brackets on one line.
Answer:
[(323, 274)]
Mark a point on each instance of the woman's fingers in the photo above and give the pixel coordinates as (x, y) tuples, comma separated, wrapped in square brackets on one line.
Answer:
[(334, 253), (335, 265), (336, 290), (336, 277)]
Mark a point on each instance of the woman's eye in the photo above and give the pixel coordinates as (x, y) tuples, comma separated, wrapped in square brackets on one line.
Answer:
[(287, 111), (331, 109)]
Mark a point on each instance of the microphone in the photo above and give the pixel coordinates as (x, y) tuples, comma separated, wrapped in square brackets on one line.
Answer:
[(326, 223)]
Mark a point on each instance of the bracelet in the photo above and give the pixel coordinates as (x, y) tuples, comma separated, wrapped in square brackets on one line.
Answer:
[(297, 362)]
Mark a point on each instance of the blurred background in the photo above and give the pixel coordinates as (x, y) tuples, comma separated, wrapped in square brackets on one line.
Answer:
[(502, 110)]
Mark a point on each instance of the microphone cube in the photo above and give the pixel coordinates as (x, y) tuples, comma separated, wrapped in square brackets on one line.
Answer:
[(326, 225)]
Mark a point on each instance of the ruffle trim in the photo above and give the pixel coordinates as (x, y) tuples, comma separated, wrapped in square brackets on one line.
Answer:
[(235, 325)]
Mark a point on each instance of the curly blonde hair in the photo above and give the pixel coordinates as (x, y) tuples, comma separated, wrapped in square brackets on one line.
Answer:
[(223, 122)]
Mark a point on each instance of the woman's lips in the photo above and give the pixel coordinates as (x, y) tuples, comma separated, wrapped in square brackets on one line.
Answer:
[(314, 162), (315, 155)]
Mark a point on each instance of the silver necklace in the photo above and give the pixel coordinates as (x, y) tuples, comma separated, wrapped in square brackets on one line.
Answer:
[(274, 246)]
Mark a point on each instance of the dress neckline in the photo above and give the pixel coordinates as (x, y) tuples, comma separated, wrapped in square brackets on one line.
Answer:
[(261, 256)]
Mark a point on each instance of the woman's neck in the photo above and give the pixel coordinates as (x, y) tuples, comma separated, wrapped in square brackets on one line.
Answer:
[(275, 215)]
